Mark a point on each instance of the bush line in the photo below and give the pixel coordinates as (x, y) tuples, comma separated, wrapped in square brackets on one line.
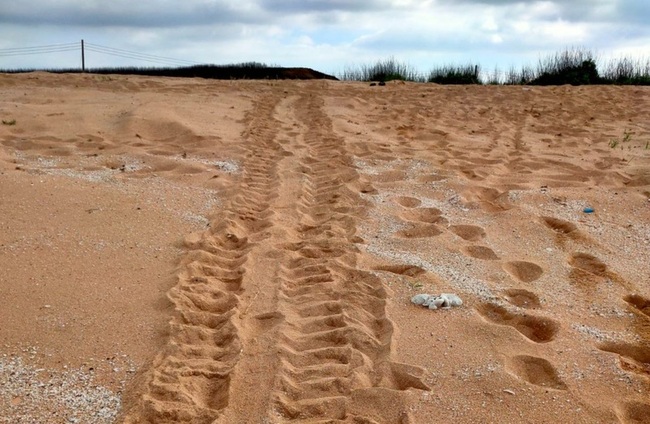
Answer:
[(575, 66)]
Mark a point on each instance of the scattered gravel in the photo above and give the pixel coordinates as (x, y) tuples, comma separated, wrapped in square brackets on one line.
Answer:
[(35, 396), (603, 336), (445, 265), (230, 167), (381, 242), (412, 167), (227, 166), (97, 176), (152, 189)]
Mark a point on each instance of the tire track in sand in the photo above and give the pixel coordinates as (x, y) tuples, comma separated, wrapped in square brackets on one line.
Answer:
[(334, 342), (190, 379)]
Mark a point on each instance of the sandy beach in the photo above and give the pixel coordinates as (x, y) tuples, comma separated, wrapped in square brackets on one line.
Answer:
[(200, 251)]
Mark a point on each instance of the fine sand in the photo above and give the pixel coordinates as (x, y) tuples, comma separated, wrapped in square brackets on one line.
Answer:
[(187, 250)]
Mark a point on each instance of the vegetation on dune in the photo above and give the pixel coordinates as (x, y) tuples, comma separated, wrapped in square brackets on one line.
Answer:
[(518, 77), (248, 70), (382, 71), (627, 71), (571, 66), (453, 74), (575, 66)]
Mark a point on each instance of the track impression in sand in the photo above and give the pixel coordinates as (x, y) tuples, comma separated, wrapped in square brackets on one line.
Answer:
[(335, 340), (319, 344), (190, 379), (639, 302), (635, 413), (538, 329), (523, 270), (537, 371), (522, 298), (480, 252), (468, 232)]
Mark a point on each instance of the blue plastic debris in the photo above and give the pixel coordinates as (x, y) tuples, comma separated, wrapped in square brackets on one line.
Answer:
[(588, 210)]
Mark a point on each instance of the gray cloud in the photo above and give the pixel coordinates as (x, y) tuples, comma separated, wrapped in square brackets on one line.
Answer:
[(320, 6), (633, 11), (169, 13), (566, 9), (126, 13)]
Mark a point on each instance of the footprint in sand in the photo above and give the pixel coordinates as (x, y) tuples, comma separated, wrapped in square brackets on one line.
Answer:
[(522, 298), (639, 302), (419, 231), (526, 272), (468, 232), (408, 202), (480, 252), (535, 328), (586, 270), (563, 230), (633, 358), (588, 263), (425, 215), (367, 188), (634, 413), (489, 199), (534, 370), (559, 226)]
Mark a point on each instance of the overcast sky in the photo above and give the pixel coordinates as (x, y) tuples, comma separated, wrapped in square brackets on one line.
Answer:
[(326, 35)]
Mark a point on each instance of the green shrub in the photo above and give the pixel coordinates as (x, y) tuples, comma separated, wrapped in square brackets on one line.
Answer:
[(571, 66)]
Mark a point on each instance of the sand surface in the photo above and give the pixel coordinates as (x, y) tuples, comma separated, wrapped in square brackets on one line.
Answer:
[(176, 250)]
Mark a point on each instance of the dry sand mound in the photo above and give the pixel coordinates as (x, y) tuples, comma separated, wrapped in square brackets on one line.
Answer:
[(239, 252)]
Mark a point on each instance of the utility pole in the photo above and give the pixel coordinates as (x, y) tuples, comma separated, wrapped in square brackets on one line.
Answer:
[(83, 58)]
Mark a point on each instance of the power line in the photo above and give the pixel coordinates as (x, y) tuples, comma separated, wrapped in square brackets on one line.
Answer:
[(39, 52), (97, 48), (52, 48), (134, 55), (131, 56), (38, 47)]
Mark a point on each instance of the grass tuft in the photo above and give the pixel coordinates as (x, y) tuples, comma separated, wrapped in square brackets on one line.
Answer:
[(456, 74), (627, 137), (382, 71), (627, 71)]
